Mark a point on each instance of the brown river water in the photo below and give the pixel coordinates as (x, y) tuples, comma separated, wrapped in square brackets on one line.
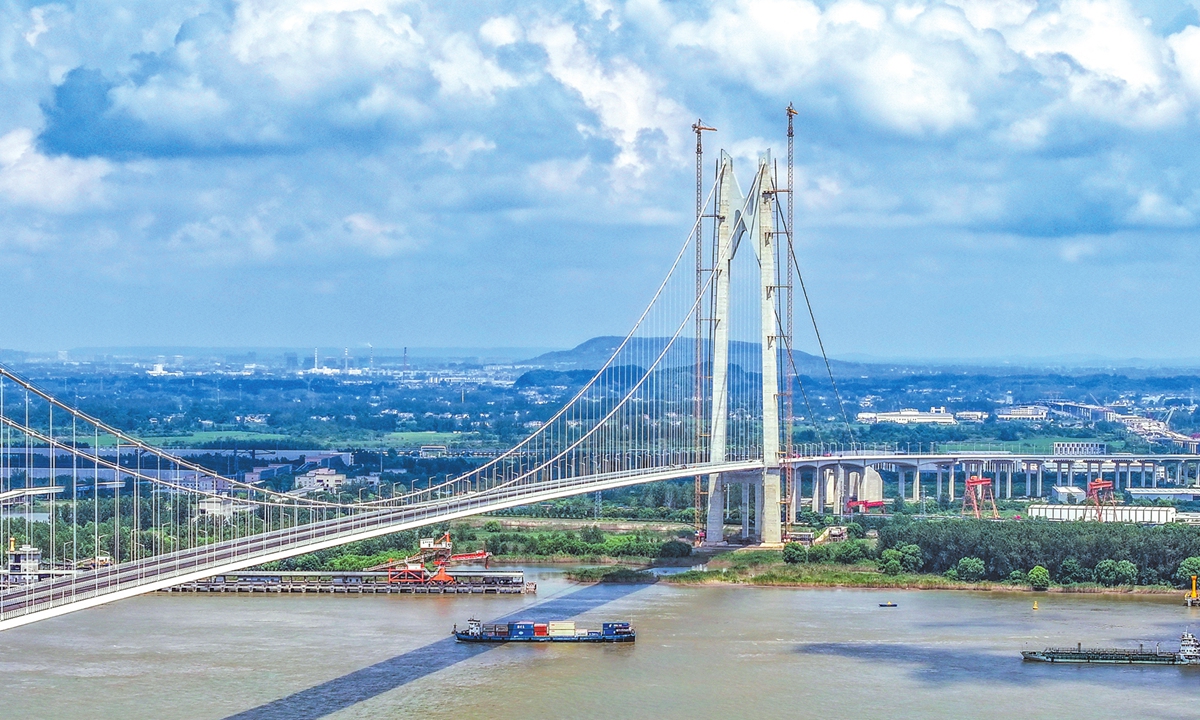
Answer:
[(702, 652)]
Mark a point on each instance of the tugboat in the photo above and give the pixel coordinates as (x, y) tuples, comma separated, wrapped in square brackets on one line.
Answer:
[(1189, 654), (555, 631)]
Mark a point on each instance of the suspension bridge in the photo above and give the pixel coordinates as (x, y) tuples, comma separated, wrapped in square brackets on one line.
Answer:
[(700, 388)]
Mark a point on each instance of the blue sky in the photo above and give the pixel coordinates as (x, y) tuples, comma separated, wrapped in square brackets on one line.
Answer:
[(975, 178)]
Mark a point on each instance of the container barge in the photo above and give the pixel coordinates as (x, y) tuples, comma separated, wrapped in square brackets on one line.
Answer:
[(1189, 654), (554, 631)]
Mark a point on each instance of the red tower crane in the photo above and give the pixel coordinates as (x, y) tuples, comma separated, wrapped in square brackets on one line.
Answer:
[(978, 496)]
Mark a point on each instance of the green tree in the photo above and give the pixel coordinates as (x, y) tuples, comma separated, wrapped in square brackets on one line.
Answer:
[(1127, 573), (970, 569), (848, 552), (1106, 572), (794, 553), (1112, 573), (674, 549), (912, 560), (890, 562), (1017, 577), (819, 554), (1039, 578), (492, 526), (1187, 568), (592, 535), (1072, 572)]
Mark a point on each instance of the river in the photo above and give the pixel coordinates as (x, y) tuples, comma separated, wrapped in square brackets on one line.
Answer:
[(702, 652)]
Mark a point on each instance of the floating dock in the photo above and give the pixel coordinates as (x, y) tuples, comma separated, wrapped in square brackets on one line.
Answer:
[(463, 582)]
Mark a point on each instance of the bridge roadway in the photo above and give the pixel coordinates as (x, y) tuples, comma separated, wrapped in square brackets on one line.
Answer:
[(1062, 469), (57, 596)]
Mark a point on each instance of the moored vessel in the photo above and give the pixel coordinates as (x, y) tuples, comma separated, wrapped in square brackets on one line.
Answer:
[(1189, 654), (553, 631)]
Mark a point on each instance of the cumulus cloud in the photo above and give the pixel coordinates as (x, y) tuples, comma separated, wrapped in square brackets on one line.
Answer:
[(341, 133), (633, 108), (58, 184)]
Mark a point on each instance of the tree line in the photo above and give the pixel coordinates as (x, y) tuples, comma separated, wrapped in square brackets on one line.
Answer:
[(1107, 553)]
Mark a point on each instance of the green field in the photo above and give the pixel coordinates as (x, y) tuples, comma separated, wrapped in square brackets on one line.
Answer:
[(206, 436), (416, 439)]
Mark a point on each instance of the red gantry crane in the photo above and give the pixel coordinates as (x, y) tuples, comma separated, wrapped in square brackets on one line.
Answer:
[(1099, 494), (436, 551), (978, 496)]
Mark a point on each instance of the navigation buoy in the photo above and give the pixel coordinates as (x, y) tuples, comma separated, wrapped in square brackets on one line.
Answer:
[(1035, 604)]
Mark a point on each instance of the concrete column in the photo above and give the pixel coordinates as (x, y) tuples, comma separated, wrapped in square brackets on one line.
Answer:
[(950, 486), (939, 483), (818, 491), (772, 532), (760, 513), (916, 496), (1039, 480), (729, 196), (1008, 481), (900, 478), (1154, 474), (745, 510)]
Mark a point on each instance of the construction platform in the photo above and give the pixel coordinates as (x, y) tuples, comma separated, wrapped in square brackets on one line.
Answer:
[(464, 582)]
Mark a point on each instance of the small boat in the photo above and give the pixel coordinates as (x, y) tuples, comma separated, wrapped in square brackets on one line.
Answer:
[(889, 603), (554, 631)]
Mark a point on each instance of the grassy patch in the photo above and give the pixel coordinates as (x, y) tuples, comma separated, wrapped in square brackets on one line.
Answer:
[(611, 575)]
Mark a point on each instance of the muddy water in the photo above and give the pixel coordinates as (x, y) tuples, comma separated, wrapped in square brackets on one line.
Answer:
[(701, 652)]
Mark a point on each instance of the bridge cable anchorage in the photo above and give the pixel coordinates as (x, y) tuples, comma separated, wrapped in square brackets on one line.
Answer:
[(817, 332)]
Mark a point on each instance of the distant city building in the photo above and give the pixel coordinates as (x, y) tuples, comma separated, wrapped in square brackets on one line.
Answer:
[(223, 507), (203, 483), (909, 416), (1112, 513), (1176, 494), (321, 478), (432, 451), (1067, 494), (270, 471), (971, 416), (1080, 448), (1026, 413)]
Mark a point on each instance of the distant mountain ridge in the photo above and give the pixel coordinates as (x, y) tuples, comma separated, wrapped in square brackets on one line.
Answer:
[(592, 354)]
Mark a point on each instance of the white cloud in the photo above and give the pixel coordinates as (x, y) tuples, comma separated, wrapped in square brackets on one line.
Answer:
[(380, 239), (913, 71), (463, 69), (457, 151), (627, 100), (1075, 250), (500, 31), (307, 45), (62, 184)]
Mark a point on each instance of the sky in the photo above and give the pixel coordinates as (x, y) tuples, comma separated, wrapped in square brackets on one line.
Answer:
[(975, 178)]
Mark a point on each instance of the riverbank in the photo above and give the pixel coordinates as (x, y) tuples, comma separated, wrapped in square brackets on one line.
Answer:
[(759, 568)]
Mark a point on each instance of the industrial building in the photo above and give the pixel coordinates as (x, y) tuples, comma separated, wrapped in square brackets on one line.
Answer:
[(909, 416)]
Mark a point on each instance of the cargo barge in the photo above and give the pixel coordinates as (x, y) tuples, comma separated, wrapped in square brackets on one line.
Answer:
[(554, 631), (1189, 654)]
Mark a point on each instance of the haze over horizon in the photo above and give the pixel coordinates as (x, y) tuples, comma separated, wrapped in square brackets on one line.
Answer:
[(975, 179)]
